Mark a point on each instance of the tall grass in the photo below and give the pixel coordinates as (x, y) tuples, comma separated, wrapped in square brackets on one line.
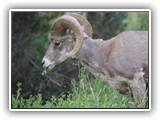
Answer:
[(85, 94)]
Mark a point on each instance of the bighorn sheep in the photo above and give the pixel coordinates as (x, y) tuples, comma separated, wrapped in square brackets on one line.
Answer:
[(122, 60)]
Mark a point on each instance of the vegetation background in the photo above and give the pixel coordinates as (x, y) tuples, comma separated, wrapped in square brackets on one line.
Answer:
[(68, 85)]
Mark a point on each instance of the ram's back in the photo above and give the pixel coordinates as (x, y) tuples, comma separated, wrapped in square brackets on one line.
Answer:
[(128, 52)]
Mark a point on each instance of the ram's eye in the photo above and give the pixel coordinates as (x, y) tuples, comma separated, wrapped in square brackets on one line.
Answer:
[(57, 44)]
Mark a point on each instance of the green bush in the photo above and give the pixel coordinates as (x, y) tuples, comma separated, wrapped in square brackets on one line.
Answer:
[(137, 21), (32, 102)]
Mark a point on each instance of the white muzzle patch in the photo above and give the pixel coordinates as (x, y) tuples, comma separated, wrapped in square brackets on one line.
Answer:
[(46, 62)]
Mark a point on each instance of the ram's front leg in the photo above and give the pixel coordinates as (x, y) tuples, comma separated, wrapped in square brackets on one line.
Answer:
[(138, 88)]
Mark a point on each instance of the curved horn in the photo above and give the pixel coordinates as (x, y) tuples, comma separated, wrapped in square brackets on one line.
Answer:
[(83, 22), (60, 26)]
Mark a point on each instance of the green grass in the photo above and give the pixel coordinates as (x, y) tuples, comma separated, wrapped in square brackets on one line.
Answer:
[(91, 94)]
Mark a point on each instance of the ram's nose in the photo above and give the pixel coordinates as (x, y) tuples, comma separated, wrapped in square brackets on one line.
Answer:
[(46, 63), (43, 62)]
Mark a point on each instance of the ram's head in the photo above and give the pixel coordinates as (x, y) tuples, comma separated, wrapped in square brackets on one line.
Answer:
[(67, 34)]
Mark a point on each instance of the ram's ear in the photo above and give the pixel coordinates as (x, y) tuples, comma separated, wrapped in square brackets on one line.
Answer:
[(71, 33)]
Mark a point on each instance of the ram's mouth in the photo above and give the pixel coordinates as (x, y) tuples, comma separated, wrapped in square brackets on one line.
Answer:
[(47, 69)]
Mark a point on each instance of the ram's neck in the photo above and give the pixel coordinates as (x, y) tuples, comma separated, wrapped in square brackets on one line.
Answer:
[(92, 55)]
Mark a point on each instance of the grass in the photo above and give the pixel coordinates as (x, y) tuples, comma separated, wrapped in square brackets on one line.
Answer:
[(91, 94)]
